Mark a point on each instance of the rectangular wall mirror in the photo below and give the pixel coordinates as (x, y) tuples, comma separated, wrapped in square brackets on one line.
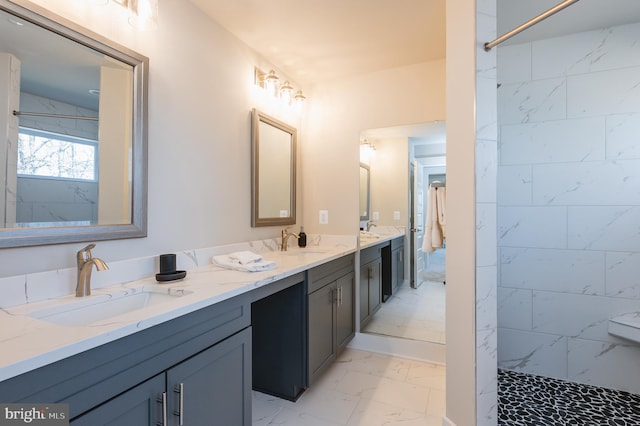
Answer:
[(74, 109), (273, 169)]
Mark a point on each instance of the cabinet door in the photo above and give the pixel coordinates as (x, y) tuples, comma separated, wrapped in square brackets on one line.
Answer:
[(400, 266), (375, 286), (214, 386), (394, 269), (364, 292), (139, 406), (345, 325), (321, 328)]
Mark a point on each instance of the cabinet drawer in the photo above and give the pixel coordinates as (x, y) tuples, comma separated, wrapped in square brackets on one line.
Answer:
[(397, 243), (321, 275), (372, 253), (87, 379)]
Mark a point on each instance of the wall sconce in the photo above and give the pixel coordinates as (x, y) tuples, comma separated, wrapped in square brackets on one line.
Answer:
[(299, 98), (269, 82), (143, 14), (286, 92), (367, 151)]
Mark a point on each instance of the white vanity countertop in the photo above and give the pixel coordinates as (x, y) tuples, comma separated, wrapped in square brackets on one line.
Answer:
[(29, 343), (370, 239)]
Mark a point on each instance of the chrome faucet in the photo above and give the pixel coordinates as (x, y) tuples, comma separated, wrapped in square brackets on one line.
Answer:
[(370, 225), (285, 238), (85, 265)]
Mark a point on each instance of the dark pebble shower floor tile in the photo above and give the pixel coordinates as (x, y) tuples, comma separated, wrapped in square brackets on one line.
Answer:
[(525, 399)]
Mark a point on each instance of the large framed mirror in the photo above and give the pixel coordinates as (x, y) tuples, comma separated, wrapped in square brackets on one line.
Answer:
[(365, 191), (74, 107), (273, 169)]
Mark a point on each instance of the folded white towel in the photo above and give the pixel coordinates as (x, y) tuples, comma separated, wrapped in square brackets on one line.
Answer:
[(225, 261), (245, 257)]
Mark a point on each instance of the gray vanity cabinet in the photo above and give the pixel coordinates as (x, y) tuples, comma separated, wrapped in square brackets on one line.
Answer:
[(205, 389), (122, 382), (331, 312), (370, 282), (397, 263)]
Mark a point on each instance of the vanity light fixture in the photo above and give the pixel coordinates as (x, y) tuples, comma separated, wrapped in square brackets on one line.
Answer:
[(143, 14), (269, 82), (367, 151)]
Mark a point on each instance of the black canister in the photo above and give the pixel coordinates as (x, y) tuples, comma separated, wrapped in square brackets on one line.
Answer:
[(302, 238), (167, 263)]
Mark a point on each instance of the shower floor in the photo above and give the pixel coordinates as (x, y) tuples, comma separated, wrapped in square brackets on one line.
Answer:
[(525, 399)]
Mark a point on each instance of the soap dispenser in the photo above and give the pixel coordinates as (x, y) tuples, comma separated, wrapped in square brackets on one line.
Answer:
[(302, 238)]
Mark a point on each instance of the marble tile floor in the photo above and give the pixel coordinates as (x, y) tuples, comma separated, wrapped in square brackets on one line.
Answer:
[(417, 314), (529, 400), (363, 388)]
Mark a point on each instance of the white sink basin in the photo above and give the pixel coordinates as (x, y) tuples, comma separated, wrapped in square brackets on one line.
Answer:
[(99, 307)]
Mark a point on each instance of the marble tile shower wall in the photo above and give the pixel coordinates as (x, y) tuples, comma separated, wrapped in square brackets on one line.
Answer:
[(569, 205), (486, 255)]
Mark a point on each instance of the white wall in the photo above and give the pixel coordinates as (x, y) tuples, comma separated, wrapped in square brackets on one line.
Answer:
[(390, 181), (200, 96), (339, 111), (569, 196)]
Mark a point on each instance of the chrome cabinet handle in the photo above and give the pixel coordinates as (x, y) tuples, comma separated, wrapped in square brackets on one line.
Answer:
[(163, 400), (180, 413)]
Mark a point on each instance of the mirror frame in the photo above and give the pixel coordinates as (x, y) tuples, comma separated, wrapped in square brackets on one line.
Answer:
[(256, 118), (20, 237), (367, 168)]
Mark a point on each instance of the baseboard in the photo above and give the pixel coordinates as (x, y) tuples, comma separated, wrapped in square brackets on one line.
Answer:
[(447, 422), (396, 346)]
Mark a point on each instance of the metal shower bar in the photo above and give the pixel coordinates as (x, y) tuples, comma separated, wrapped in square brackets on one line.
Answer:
[(42, 114), (544, 15)]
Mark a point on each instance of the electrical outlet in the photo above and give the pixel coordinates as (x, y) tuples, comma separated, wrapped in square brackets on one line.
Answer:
[(324, 217), (376, 216), (396, 215)]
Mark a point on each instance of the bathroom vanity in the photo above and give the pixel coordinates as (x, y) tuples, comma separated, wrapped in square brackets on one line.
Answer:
[(197, 357), (381, 272)]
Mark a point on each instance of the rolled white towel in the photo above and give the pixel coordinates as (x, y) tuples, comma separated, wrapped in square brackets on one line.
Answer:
[(245, 257)]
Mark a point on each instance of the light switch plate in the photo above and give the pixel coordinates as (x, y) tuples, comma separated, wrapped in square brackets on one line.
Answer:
[(376, 216), (324, 217), (396, 215)]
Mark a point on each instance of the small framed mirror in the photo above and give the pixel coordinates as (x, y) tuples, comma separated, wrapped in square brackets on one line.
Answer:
[(365, 198), (273, 170)]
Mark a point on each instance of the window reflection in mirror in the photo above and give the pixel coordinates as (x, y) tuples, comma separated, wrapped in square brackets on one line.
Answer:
[(273, 169), (76, 147)]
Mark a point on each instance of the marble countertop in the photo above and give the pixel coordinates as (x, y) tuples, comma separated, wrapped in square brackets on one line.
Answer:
[(30, 343), (370, 239)]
